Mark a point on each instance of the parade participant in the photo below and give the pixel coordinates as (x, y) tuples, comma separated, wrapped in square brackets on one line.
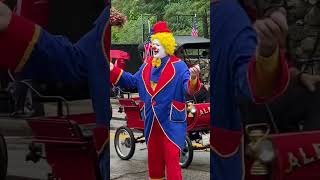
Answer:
[(162, 82), (246, 64), (34, 53)]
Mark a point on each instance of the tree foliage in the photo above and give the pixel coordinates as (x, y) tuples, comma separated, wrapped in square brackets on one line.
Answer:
[(178, 13)]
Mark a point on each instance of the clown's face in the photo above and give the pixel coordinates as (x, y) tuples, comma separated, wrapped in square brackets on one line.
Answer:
[(158, 50)]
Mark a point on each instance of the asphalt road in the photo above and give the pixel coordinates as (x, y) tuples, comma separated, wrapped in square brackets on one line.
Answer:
[(136, 167), (17, 137), (133, 169)]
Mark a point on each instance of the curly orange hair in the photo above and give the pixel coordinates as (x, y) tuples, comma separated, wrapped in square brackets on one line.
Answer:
[(167, 41)]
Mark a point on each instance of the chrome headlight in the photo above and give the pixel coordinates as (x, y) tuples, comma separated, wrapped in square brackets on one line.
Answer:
[(265, 151), (260, 146), (193, 109)]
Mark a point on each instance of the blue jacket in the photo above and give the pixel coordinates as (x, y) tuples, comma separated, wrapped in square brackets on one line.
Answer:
[(55, 58), (233, 46)]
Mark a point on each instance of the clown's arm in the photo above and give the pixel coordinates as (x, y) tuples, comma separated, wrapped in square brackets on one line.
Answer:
[(123, 79), (268, 76), (37, 54), (268, 70), (259, 78), (27, 48), (191, 80)]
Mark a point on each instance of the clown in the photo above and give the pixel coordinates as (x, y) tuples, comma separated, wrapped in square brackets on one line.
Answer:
[(162, 82)]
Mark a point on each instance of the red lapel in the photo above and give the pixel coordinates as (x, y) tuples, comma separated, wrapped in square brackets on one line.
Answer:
[(146, 77), (166, 75)]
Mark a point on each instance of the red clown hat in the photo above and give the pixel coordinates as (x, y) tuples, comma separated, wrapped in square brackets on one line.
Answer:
[(160, 27)]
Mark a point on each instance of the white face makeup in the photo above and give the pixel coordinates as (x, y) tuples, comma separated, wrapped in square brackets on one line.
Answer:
[(158, 50)]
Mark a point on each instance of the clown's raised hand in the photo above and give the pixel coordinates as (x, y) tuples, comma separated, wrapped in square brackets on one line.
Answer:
[(271, 32), (194, 72)]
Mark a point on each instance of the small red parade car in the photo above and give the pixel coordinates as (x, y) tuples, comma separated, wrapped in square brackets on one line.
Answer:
[(286, 156), (270, 155)]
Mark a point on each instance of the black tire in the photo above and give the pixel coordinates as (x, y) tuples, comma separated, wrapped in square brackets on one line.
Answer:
[(187, 154), (130, 142), (3, 158)]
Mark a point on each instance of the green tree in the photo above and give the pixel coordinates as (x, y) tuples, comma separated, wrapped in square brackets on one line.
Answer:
[(178, 13)]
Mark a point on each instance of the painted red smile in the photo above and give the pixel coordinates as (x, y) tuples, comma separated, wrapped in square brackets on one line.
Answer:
[(155, 50)]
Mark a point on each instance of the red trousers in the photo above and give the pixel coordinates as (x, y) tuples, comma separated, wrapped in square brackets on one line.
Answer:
[(162, 155)]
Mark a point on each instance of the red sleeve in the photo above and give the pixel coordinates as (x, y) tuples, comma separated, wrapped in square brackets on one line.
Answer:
[(115, 75), (280, 84), (17, 42)]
